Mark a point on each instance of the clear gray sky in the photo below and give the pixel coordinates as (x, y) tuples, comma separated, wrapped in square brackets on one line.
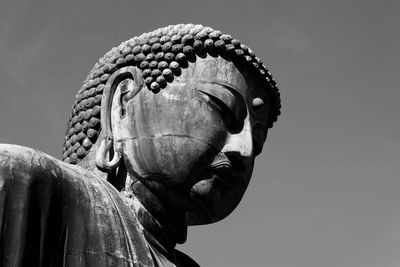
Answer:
[(325, 191)]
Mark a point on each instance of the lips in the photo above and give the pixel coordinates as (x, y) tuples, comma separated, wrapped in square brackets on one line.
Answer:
[(221, 161), (202, 195), (219, 178)]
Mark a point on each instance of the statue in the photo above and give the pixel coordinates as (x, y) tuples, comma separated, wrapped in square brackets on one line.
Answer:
[(162, 135)]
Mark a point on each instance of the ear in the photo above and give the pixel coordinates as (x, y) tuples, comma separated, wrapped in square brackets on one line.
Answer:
[(127, 91)]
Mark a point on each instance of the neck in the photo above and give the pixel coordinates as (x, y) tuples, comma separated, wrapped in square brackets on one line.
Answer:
[(163, 224), (163, 220)]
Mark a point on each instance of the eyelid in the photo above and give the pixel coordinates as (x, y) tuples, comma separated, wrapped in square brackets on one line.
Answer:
[(231, 99)]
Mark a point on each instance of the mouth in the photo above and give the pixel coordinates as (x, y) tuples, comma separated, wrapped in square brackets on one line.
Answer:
[(221, 167), (222, 163), (219, 174), (219, 178)]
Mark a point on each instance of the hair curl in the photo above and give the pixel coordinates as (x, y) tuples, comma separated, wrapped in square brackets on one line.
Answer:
[(160, 54)]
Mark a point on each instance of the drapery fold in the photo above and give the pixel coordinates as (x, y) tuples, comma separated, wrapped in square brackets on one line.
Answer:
[(56, 214)]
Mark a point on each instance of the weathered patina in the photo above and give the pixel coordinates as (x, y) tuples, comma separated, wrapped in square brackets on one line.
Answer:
[(163, 135)]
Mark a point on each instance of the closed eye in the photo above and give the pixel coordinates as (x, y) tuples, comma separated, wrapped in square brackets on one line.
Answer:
[(221, 105), (230, 103)]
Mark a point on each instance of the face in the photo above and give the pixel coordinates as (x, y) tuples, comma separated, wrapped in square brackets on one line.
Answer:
[(197, 138)]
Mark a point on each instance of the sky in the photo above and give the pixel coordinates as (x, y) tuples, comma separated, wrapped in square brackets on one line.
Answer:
[(325, 189)]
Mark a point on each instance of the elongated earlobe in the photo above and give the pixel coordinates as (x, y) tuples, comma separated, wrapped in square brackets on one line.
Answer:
[(107, 147)]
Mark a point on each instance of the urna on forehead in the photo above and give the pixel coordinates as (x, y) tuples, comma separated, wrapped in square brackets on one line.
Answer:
[(161, 55)]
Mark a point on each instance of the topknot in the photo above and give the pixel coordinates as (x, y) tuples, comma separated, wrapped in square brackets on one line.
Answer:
[(161, 55)]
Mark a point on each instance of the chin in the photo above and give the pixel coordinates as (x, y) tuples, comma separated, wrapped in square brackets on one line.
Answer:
[(217, 196)]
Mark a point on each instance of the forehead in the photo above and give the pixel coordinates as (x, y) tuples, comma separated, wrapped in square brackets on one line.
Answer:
[(219, 71)]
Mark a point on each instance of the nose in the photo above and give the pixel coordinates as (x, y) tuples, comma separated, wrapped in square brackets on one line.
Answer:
[(240, 144)]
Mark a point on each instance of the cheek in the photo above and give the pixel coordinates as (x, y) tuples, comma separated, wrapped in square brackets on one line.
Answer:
[(258, 137), (172, 135), (181, 160), (171, 114)]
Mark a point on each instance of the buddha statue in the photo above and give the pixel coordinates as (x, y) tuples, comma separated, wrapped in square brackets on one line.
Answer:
[(163, 135)]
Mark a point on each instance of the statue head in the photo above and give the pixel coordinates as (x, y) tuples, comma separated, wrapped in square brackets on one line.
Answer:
[(186, 109)]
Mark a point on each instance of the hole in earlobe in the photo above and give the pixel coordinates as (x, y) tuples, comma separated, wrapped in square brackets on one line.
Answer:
[(124, 88), (118, 177)]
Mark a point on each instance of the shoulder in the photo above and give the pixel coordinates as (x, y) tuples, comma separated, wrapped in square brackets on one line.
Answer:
[(24, 164), (21, 156)]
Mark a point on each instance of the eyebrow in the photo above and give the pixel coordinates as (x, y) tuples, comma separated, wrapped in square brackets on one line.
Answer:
[(228, 86), (235, 91)]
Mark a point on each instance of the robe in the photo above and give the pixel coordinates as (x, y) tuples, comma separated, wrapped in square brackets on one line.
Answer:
[(57, 214)]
